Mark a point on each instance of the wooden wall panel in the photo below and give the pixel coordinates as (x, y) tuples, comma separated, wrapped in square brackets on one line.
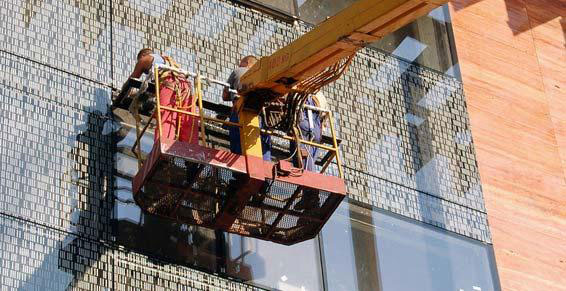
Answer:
[(512, 55)]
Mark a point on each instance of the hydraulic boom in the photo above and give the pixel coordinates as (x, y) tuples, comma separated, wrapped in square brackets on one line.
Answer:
[(294, 66)]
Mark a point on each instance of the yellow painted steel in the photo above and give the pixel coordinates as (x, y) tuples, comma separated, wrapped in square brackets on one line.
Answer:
[(335, 144), (201, 109), (364, 22), (179, 120), (158, 101), (250, 137)]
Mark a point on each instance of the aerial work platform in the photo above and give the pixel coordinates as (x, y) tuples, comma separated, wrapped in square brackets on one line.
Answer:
[(199, 184)]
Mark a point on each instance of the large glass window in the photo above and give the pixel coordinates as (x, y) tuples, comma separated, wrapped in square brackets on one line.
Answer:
[(359, 248), (270, 265), (350, 252), (375, 250), (427, 41)]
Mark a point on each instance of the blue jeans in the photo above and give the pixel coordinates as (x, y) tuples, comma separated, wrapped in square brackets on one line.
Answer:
[(313, 134)]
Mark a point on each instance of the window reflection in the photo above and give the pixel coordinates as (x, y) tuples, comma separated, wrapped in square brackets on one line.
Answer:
[(431, 37), (175, 242), (416, 257), (287, 6), (270, 265), (316, 11), (349, 250), (401, 254), (426, 41)]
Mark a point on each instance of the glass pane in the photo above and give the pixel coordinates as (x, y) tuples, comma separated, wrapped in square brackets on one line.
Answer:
[(426, 41), (418, 257), (375, 250), (287, 6), (316, 11), (350, 252), (270, 265)]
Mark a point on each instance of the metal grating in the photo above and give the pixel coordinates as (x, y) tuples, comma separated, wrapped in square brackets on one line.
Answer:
[(285, 212), (175, 184)]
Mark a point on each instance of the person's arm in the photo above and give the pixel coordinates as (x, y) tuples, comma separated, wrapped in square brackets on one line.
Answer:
[(142, 65), (226, 95)]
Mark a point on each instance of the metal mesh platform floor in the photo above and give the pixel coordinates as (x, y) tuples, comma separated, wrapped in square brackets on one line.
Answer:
[(213, 188)]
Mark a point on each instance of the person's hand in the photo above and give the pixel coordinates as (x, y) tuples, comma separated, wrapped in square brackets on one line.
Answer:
[(115, 95), (120, 98)]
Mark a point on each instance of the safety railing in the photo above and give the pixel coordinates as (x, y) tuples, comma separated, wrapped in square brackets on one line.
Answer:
[(198, 81)]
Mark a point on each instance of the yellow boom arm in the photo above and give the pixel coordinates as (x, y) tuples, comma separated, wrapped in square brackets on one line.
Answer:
[(335, 39)]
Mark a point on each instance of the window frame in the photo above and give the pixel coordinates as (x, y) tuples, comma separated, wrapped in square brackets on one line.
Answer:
[(273, 11), (491, 260)]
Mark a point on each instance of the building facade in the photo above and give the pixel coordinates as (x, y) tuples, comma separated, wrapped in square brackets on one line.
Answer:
[(516, 93), (415, 217)]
